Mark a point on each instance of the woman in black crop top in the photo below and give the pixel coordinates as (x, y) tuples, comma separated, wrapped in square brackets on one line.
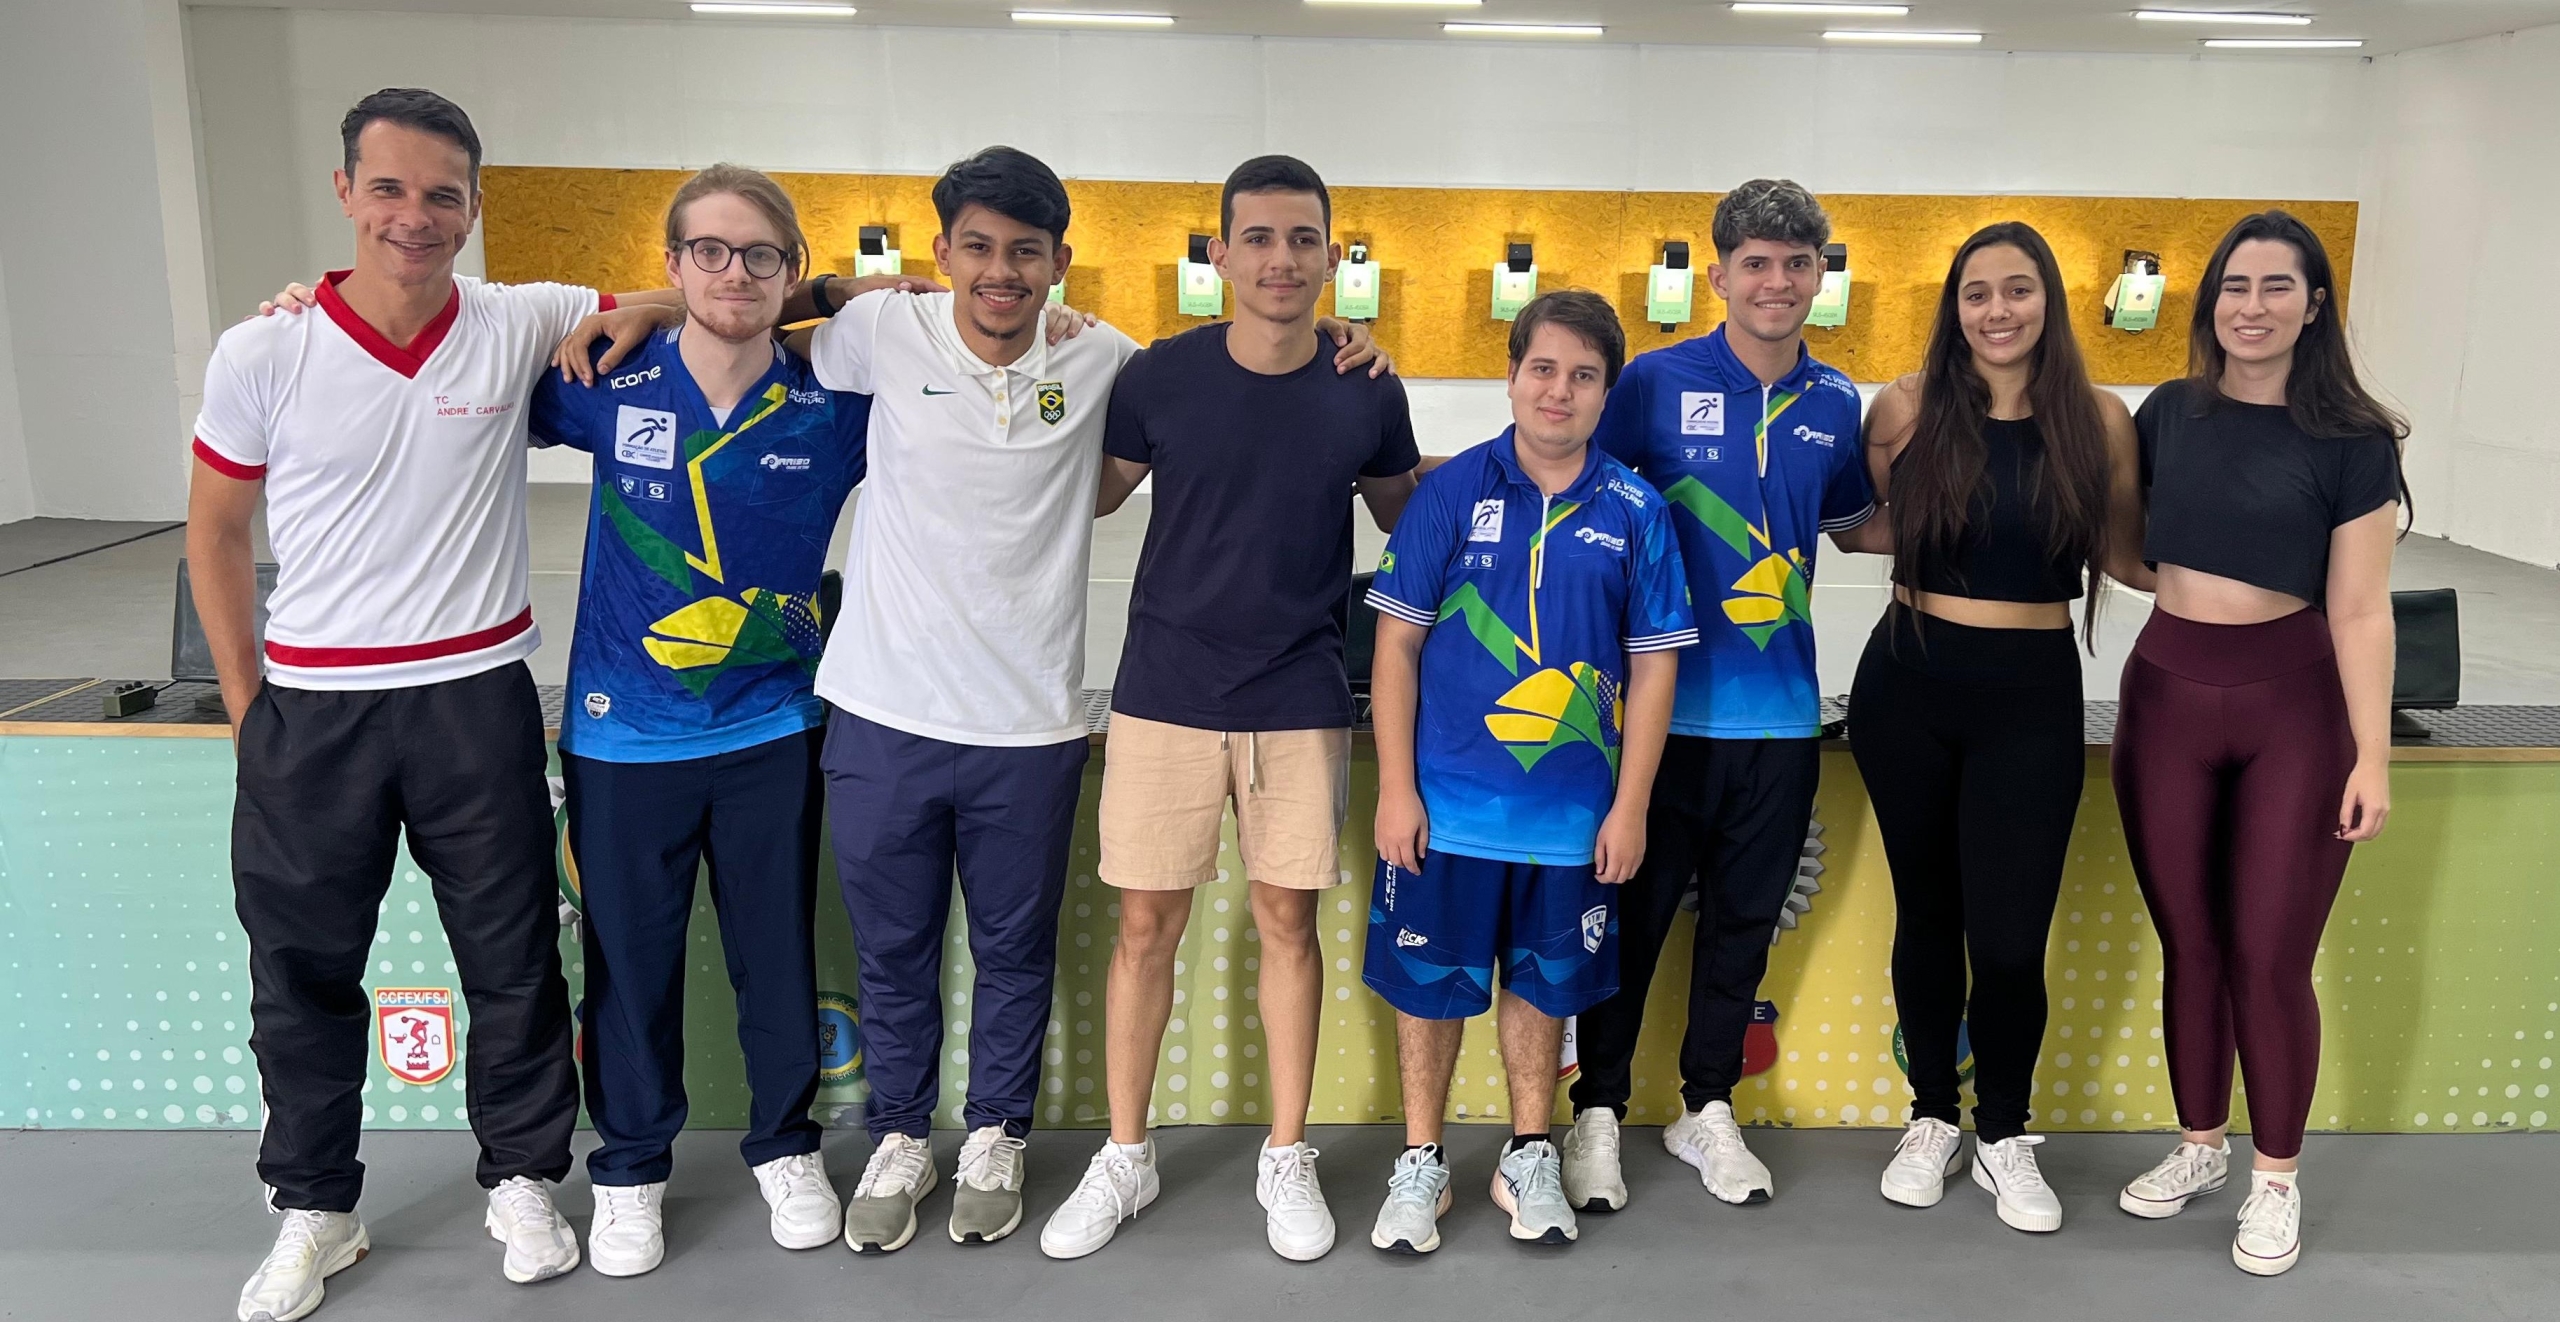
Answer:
[(2010, 481), (2253, 744)]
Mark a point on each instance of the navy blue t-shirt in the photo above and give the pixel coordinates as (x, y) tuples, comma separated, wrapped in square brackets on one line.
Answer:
[(1235, 621)]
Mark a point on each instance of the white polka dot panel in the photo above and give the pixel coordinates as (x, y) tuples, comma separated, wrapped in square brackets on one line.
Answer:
[(127, 996)]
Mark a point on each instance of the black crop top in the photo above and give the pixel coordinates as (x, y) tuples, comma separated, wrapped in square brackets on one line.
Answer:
[(2242, 493), (2006, 552)]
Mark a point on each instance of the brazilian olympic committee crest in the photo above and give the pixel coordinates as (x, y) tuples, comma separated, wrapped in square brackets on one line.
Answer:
[(839, 1038), (1053, 401)]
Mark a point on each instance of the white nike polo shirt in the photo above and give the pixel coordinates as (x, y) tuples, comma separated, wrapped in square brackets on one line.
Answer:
[(964, 591)]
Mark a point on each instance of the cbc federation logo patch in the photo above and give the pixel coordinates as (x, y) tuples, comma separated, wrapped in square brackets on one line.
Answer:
[(839, 1038), (1053, 401)]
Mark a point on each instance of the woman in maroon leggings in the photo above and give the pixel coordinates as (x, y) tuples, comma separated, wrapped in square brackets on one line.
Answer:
[(2253, 745)]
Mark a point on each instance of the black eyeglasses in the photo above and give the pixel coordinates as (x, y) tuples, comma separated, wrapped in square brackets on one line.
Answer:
[(712, 256)]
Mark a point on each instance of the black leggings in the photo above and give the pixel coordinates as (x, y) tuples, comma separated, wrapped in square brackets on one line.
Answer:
[(1971, 746)]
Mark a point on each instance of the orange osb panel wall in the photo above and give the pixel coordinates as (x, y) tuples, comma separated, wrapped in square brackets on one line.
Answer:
[(1436, 248)]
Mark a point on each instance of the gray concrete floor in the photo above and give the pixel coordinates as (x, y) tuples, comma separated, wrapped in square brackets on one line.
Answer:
[(134, 1225), (107, 613)]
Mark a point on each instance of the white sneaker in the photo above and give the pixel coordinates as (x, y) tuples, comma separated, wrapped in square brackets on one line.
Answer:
[(806, 1212), (2269, 1241), (540, 1243), (1299, 1224), (628, 1235), (2018, 1191), (2192, 1171), (1592, 1179), (1115, 1187), (1710, 1140), (310, 1248), (1930, 1151)]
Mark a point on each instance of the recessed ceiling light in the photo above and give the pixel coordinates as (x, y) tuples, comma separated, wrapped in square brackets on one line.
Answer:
[(1907, 38), (2283, 43), (1832, 11), (777, 10), (2198, 16), (1523, 29), (1095, 20)]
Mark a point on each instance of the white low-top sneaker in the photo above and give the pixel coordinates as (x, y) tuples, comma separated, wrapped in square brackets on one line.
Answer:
[(2018, 1191), (2269, 1240), (2190, 1172), (1417, 1197), (1116, 1187), (540, 1243), (1593, 1181), (806, 1211), (1710, 1140), (1298, 1223), (1930, 1151), (628, 1234), (310, 1248)]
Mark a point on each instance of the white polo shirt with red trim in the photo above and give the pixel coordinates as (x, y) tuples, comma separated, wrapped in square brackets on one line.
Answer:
[(395, 480)]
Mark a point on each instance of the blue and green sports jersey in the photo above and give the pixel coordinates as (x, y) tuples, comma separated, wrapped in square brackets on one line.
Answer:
[(698, 629), (1755, 474), (1533, 603)]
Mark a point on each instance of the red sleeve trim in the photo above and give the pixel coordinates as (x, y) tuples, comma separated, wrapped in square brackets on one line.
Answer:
[(605, 303), (227, 467)]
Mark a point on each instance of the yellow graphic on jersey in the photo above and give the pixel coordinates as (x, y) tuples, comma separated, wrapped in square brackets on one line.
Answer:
[(716, 631), (1773, 590), (1553, 708)]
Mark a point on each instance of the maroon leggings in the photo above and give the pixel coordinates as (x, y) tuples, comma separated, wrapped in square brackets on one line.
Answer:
[(2232, 751)]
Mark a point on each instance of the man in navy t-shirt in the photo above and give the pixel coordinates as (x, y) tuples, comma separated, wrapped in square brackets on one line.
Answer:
[(1231, 682)]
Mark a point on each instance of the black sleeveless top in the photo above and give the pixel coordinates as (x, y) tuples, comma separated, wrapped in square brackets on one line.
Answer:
[(2005, 552)]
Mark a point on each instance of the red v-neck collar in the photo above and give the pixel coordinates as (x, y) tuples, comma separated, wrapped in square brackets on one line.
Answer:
[(406, 360)]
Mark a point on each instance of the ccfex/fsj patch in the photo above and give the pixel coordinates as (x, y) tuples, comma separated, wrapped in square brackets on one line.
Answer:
[(1053, 401)]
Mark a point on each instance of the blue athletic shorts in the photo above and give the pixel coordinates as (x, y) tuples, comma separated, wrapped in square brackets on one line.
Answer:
[(1436, 936)]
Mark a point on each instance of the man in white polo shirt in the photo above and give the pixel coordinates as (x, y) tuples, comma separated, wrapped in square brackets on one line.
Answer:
[(386, 435), (956, 674)]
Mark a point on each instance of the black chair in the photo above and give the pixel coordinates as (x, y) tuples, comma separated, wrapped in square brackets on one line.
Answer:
[(2426, 671)]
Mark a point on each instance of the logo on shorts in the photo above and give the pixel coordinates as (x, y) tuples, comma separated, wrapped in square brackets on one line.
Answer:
[(1053, 401), (1701, 413), (1488, 521), (1594, 536), (413, 1029), (598, 704), (1407, 938), (1595, 924)]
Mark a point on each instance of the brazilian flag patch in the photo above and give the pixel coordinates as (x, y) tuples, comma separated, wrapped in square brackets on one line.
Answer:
[(1053, 401)]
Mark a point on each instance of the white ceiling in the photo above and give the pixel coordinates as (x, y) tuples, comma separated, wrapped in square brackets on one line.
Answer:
[(2386, 26)]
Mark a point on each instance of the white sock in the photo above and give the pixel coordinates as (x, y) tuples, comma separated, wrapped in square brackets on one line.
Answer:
[(1138, 1152), (2259, 1179)]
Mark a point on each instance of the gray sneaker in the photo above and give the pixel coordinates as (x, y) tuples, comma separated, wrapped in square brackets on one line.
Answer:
[(1529, 1184), (986, 1193), (880, 1217), (1417, 1195)]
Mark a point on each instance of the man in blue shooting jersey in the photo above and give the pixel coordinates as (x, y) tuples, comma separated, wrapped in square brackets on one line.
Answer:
[(1530, 605), (1755, 447), (691, 730)]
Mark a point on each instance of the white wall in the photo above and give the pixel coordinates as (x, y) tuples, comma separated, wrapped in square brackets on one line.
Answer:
[(102, 242), (2457, 278), (678, 94), (17, 491)]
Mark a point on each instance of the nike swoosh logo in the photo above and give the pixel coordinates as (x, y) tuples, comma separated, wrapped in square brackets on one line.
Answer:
[(931, 391)]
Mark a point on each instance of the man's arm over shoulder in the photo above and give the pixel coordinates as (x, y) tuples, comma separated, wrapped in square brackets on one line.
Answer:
[(844, 348)]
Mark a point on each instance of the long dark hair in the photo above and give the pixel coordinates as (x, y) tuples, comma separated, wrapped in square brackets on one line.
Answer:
[(2321, 391), (1935, 480)]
